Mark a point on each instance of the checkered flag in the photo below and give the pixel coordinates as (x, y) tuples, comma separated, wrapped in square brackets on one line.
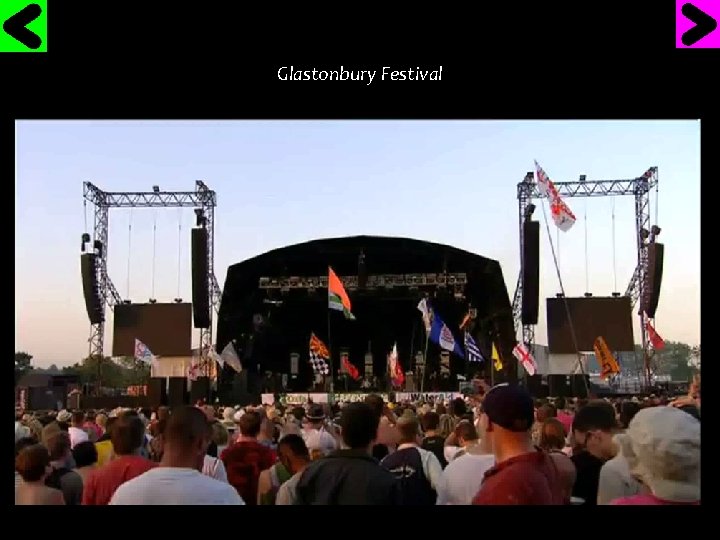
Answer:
[(319, 365), (319, 355)]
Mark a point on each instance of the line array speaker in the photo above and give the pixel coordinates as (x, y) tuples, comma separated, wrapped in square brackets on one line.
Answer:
[(157, 391), (530, 272), (200, 389), (93, 302), (200, 296), (653, 279), (177, 392)]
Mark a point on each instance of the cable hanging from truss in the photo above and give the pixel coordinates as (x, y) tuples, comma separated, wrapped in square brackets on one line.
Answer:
[(614, 248), (587, 262), (154, 255), (129, 256), (85, 213), (179, 250)]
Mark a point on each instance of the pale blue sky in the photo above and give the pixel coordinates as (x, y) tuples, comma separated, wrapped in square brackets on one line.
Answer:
[(279, 183)]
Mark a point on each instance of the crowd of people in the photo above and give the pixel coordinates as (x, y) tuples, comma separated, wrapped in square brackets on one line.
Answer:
[(498, 448)]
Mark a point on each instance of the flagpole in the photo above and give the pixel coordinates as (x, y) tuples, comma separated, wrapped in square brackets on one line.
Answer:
[(332, 365), (425, 360)]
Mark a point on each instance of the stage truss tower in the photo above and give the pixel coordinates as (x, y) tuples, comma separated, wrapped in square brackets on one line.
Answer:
[(640, 188), (202, 199)]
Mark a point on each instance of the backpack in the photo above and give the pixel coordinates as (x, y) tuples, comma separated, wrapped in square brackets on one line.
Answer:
[(53, 480)]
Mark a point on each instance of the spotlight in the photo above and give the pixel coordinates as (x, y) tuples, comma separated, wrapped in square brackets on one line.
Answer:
[(199, 217), (583, 178), (644, 234), (588, 295), (529, 177), (655, 230), (156, 189), (177, 300), (616, 295), (127, 302), (152, 301), (559, 295), (529, 210)]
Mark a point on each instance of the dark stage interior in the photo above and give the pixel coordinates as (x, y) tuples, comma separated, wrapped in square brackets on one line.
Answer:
[(384, 315)]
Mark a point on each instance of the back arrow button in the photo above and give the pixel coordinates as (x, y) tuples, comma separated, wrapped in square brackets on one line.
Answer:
[(16, 25)]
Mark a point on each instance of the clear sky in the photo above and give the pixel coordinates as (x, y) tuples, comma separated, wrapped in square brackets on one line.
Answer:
[(280, 183)]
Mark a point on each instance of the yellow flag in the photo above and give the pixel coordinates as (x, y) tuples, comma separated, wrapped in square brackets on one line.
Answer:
[(496, 358), (605, 358)]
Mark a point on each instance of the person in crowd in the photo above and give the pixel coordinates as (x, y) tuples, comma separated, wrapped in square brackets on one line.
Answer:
[(387, 433), (523, 474), (567, 473), (21, 430), (209, 411), (563, 414), (19, 447), (543, 412), (616, 480), (64, 419), (62, 476), (293, 457), (432, 441), (85, 456), (156, 444), (351, 475), (462, 478), (103, 446), (101, 420), (34, 425), (245, 459), (593, 429), (662, 447), (418, 471), (77, 429), (316, 435), (551, 436), (91, 427), (220, 436), (178, 479), (268, 434), (33, 465), (127, 435)]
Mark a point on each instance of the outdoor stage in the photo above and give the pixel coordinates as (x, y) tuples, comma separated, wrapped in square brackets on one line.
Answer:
[(301, 398), (273, 302)]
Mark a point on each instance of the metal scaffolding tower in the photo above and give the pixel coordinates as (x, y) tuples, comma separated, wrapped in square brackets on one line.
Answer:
[(202, 199), (640, 188)]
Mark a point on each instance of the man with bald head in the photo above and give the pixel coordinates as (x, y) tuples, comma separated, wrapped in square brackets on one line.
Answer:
[(179, 480)]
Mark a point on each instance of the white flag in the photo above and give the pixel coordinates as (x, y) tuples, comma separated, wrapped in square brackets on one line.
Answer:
[(425, 310), (230, 357)]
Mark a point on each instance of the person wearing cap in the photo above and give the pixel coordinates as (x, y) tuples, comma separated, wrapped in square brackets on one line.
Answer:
[(594, 427), (319, 441), (662, 446), (523, 474), (616, 480)]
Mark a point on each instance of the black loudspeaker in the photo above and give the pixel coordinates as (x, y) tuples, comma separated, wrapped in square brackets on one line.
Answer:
[(200, 389), (157, 391), (530, 272), (93, 302), (579, 385), (559, 386), (653, 279), (536, 387), (200, 297), (177, 392)]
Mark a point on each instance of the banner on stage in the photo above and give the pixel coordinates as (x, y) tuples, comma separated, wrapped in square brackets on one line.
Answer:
[(426, 396), (267, 399), (354, 398)]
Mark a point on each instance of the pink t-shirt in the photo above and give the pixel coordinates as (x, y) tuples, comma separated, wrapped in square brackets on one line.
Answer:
[(566, 420), (648, 499)]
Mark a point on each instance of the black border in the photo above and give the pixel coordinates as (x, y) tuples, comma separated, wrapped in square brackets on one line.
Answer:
[(212, 61)]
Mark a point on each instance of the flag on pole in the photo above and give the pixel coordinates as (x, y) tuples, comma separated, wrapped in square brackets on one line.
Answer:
[(562, 215), (605, 358), (350, 368), (472, 350), (525, 357), (441, 334), (396, 372), (656, 341), (228, 356), (143, 353), (497, 361), (337, 297), (426, 314), (319, 356)]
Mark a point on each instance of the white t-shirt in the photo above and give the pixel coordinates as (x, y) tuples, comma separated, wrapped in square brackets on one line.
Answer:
[(214, 468), (175, 486), (77, 436), (462, 477)]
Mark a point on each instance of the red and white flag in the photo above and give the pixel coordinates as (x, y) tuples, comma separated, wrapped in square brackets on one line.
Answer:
[(562, 215), (396, 372), (524, 356), (657, 342)]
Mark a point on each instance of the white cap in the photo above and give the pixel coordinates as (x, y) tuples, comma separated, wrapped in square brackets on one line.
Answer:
[(662, 446)]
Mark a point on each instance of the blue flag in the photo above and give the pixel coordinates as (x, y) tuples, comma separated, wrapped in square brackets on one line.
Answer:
[(441, 334)]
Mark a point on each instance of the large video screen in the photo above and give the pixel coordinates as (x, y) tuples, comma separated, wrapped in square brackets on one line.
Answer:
[(164, 328), (608, 317)]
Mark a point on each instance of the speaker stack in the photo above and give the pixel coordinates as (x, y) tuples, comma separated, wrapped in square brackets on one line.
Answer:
[(200, 292), (177, 392), (530, 272), (93, 302), (157, 392), (653, 279)]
